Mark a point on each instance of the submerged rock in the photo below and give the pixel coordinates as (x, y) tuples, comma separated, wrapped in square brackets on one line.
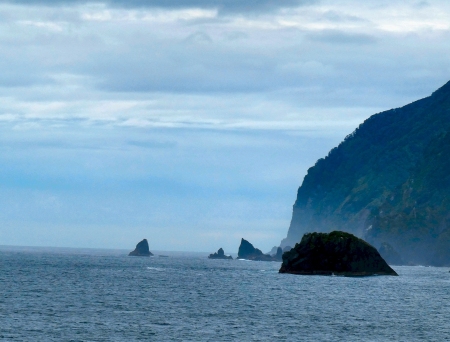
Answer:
[(141, 249), (247, 251), (337, 253), (220, 255)]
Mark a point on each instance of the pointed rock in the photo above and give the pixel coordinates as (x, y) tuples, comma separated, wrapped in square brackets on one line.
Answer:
[(141, 249), (273, 251), (279, 255), (247, 251)]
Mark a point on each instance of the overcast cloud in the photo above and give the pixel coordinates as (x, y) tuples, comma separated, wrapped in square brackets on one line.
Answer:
[(85, 84), (222, 6)]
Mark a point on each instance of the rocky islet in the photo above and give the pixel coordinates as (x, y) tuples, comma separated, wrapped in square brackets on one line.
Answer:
[(142, 249), (336, 253), (249, 252), (220, 254)]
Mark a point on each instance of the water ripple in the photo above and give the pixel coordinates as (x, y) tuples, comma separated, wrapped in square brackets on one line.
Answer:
[(69, 297)]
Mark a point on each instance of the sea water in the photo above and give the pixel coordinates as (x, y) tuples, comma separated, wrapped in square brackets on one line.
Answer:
[(57, 295)]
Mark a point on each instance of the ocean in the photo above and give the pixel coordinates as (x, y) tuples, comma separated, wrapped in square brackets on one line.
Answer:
[(101, 295)]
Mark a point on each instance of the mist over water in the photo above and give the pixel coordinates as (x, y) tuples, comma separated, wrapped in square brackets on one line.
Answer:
[(56, 295)]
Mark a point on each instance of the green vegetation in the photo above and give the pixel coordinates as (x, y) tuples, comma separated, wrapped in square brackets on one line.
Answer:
[(417, 214)]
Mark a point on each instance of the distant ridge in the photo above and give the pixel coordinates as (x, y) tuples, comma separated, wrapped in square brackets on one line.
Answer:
[(365, 186)]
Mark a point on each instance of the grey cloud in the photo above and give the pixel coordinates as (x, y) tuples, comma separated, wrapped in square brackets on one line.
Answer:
[(340, 37), (199, 37), (151, 144), (73, 142), (223, 6), (192, 67), (70, 142), (204, 61), (13, 80), (337, 17), (422, 4), (236, 35), (12, 65)]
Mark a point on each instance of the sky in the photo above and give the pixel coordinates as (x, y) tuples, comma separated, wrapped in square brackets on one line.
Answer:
[(192, 122)]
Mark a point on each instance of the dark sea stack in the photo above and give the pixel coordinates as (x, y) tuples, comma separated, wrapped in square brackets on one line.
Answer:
[(220, 255), (273, 251), (279, 255), (390, 255), (247, 251), (336, 253), (141, 249)]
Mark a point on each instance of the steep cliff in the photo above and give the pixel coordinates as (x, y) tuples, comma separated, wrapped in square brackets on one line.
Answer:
[(347, 189), (416, 216)]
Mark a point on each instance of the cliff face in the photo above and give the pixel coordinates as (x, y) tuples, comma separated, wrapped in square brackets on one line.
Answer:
[(416, 216), (348, 189)]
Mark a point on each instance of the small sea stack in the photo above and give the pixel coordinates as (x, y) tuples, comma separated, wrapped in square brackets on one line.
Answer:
[(141, 249), (247, 251), (276, 253), (279, 255), (220, 255), (336, 253)]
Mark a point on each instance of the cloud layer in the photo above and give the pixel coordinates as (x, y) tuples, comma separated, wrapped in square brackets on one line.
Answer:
[(222, 6), (100, 100), (85, 60)]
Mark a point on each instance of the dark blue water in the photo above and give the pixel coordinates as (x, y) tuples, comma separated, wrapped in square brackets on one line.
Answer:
[(102, 296)]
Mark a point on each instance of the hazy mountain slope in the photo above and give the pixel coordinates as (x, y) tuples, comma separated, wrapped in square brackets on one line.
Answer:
[(343, 190), (416, 217)]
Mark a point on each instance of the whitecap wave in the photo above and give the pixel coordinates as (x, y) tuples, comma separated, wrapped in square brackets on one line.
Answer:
[(155, 269)]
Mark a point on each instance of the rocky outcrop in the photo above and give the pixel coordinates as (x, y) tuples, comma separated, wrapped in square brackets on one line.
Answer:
[(220, 255), (141, 249), (247, 251), (389, 254), (336, 253)]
